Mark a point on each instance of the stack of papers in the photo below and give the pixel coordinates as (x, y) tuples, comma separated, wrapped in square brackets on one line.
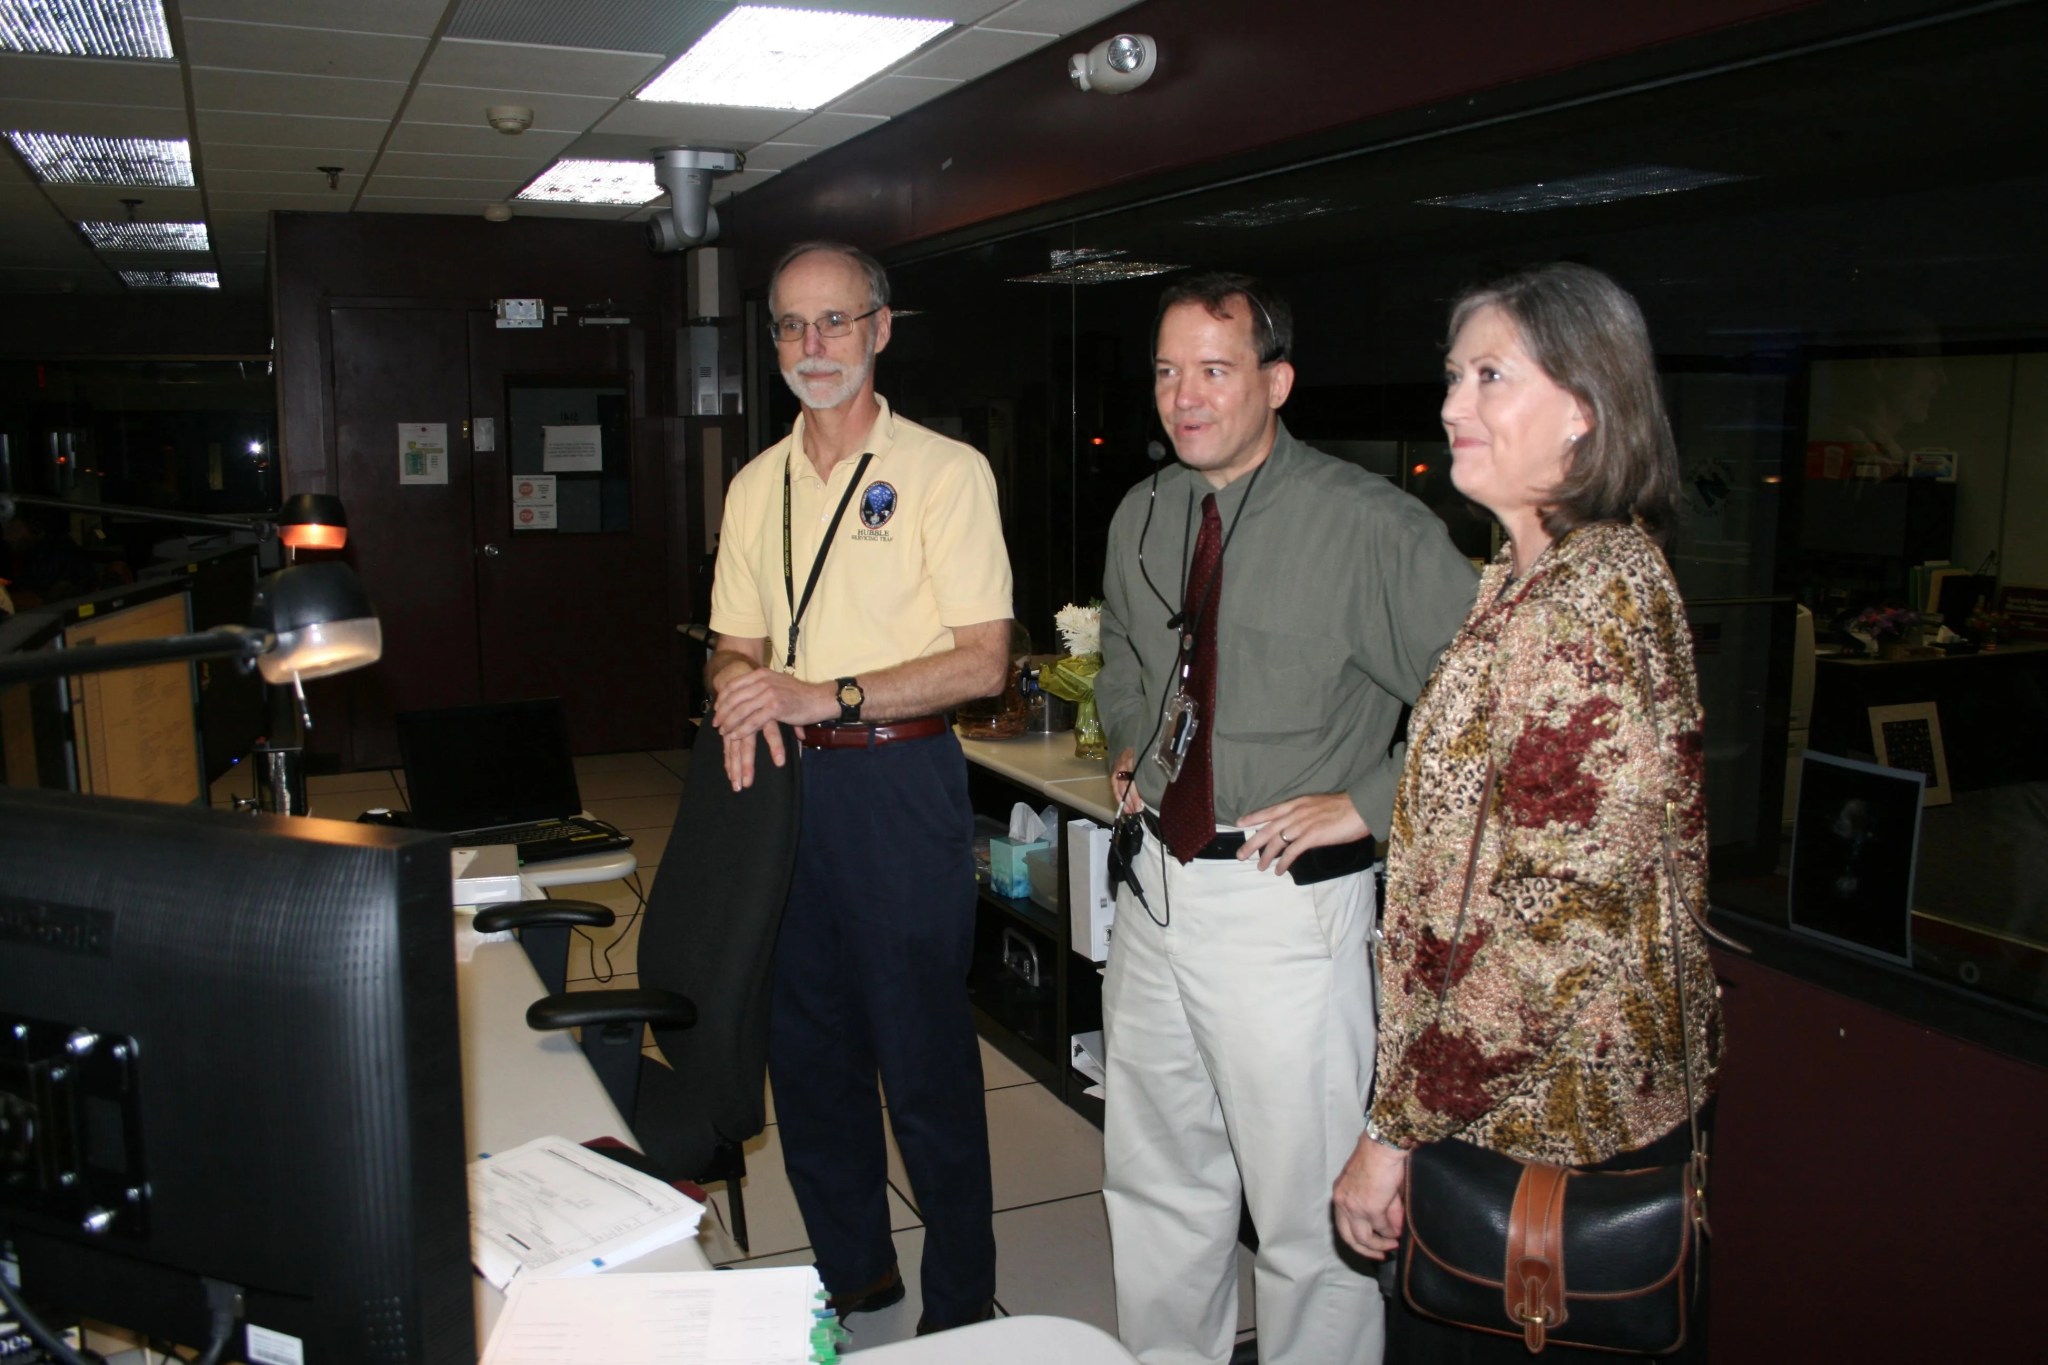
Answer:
[(692, 1317), (552, 1208)]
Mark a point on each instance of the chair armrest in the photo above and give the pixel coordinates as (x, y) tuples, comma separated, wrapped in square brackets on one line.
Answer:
[(494, 919), (580, 1009)]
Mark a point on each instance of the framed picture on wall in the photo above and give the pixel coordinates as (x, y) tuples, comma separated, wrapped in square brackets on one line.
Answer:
[(1909, 737)]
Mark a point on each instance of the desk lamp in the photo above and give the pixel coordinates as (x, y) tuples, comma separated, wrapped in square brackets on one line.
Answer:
[(307, 521)]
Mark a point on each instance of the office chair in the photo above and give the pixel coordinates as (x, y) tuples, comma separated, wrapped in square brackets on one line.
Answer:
[(704, 961)]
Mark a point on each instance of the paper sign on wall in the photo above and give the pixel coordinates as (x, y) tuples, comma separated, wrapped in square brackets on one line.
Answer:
[(533, 502), (572, 450), (422, 452)]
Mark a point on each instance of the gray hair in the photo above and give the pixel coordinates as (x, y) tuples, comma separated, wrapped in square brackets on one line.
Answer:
[(1589, 336), (878, 278)]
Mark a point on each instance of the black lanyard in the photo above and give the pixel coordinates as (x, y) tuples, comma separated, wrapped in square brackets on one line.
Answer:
[(796, 608)]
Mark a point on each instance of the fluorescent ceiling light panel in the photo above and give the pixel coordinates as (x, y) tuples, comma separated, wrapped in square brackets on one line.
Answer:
[(760, 57), (594, 182), (1265, 215), (1598, 187), (86, 28), (147, 236), (170, 279), (82, 159)]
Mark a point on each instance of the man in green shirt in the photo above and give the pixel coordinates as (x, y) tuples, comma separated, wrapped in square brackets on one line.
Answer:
[(1268, 610)]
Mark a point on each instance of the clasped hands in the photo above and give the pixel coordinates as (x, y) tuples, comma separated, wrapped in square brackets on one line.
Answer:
[(750, 702)]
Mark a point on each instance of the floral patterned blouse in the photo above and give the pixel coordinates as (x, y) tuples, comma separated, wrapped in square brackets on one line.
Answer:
[(1558, 1039)]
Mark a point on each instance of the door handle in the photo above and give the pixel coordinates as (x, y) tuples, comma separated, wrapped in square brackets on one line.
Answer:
[(492, 552)]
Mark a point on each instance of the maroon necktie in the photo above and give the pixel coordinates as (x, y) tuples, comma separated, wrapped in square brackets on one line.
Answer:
[(1187, 813)]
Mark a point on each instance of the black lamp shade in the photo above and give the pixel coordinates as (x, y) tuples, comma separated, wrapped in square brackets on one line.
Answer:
[(322, 620), (313, 521)]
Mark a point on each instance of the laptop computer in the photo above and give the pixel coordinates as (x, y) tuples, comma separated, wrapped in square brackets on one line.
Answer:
[(500, 773)]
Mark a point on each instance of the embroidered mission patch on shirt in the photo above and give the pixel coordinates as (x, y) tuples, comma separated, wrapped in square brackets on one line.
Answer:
[(877, 505)]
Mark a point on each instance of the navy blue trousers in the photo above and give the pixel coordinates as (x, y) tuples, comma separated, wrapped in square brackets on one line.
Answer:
[(871, 978)]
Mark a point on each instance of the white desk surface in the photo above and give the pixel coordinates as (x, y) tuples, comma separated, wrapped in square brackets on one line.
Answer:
[(1046, 764), (1028, 1340)]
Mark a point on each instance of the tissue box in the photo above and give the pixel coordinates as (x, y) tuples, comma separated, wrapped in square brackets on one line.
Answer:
[(1008, 875)]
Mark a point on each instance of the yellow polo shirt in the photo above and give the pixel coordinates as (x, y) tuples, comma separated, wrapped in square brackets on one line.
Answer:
[(919, 551)]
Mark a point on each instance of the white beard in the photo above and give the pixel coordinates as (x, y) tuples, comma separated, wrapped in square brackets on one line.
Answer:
[(851, 377)]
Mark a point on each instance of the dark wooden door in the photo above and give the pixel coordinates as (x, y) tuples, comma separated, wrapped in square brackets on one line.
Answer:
[(410, 543), (579, 611), (472, 608)]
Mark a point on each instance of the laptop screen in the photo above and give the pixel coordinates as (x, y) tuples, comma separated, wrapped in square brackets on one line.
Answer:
[(476, 767)]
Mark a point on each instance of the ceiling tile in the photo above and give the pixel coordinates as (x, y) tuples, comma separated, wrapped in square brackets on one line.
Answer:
[(892, 95), (777, 156), (235, 156), (461, 105), (91, 80), (418, 18), (105, 120), (384, 186), (476, 140), (80, 203), (615, 147), (826, 130), (304, 179), (306, 51), (1053, 16), (244, 201), (463, 167), (612, 25), (974, 52), (663, 124), (289, 130), (260, 93), (511, 66)]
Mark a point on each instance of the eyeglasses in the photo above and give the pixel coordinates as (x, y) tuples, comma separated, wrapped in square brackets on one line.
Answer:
[(828, 324)]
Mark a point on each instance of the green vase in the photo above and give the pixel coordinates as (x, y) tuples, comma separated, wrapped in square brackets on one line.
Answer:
[(1089, 741)]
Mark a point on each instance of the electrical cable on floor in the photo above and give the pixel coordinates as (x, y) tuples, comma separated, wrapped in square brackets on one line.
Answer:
[(634, 885)]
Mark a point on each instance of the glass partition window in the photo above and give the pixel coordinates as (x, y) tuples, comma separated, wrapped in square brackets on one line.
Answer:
[(1838, 254)]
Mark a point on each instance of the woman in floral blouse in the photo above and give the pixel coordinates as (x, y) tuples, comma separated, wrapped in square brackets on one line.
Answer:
[(1570, 687)]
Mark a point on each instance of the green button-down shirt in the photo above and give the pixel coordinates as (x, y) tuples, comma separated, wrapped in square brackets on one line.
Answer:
[(1339, 593)]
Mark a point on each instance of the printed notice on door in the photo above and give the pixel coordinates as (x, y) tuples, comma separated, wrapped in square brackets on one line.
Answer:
[(533, 502), (423, 452), (572, 450)]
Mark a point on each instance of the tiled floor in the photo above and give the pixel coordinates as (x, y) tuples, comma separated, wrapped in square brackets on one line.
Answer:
[(1052, 1237)]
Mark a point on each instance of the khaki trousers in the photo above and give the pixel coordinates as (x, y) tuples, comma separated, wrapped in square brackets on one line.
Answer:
[(1240, 1053)]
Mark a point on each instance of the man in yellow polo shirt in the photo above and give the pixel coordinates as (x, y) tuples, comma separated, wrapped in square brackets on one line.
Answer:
[(862, 589)]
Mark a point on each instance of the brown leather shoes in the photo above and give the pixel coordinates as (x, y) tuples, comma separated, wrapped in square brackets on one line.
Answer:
[(882, 1293), (925, 1326)]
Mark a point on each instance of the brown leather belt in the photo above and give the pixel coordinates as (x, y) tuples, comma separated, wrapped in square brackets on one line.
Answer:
[(869, 736)]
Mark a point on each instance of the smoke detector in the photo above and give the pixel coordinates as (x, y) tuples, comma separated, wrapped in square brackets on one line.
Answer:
[(510, 119)]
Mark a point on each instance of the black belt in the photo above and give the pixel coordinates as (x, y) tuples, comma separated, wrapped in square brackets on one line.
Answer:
[(1310, 866)]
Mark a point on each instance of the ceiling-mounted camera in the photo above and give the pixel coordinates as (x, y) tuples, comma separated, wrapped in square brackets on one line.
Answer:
[(1116, 65), (686, 173)]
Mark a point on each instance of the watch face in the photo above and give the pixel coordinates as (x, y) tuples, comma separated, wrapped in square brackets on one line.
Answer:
[(851, 695)]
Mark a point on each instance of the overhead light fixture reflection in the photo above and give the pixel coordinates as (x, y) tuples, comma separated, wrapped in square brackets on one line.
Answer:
[(171, 279), (87, 28), (760, 57), (1267, 214), (594, 182), (119, 236), (85, 159), (1597, 187), (1093, 265)]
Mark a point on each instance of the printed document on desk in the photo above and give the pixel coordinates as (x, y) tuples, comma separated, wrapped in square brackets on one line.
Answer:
[(692, 1317), (551, 1208)]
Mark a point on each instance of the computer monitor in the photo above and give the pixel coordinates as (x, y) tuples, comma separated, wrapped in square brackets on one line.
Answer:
[(229, 1052)]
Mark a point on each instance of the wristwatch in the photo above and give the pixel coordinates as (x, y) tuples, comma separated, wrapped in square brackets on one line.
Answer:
[(850, 698)]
